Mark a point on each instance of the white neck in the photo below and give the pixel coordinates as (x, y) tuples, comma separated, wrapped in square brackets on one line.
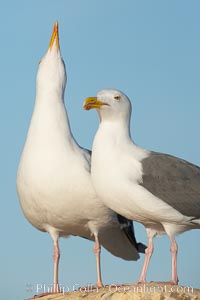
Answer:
[(114, 138), (49, 95), (115, 131), (49, 123)]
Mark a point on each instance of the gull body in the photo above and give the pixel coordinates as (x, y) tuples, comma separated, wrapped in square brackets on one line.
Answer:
[(158, 190), (53, 180)]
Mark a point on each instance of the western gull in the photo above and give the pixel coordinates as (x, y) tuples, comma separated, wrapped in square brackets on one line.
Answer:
[(53, 181), (158, 190)]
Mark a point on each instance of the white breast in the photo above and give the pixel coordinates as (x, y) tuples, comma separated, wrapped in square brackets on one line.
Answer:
[(53, 181), (117, 174)]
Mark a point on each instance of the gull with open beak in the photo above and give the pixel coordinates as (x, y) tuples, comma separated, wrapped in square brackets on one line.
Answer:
[(53, 181)]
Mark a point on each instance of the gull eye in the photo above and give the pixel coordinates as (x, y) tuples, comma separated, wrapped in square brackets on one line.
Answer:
[(117, 97), (39, 62)]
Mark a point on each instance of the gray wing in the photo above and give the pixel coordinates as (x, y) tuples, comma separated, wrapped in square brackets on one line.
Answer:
[(173, 180)]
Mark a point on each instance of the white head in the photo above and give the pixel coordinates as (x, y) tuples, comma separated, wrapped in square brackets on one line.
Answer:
[(51, 75), (111, 105)]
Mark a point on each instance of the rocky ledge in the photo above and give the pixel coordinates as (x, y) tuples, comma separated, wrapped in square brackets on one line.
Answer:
[(150, 291)]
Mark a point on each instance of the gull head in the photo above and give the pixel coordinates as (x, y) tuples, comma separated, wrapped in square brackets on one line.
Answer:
[(110, 104), (51, 75)]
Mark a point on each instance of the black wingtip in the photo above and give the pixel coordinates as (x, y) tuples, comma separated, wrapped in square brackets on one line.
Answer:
[(127, 226), (141, 247)]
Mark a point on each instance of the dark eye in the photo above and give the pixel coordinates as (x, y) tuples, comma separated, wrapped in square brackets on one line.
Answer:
[(117, 97)]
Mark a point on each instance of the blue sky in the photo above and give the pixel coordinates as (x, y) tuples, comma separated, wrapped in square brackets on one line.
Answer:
[(148, 49)]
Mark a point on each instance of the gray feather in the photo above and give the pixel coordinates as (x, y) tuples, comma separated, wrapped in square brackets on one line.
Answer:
[(174, 180)]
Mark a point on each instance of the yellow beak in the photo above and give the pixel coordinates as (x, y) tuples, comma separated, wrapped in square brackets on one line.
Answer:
[(54, 37), (92, 102)]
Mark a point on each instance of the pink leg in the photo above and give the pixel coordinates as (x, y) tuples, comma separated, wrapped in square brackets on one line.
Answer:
[(148, 253), (174, 250), (56, 258), (97, 251)]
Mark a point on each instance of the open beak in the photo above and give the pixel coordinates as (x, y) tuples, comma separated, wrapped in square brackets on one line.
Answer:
[(92, 102), (54, 37)]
